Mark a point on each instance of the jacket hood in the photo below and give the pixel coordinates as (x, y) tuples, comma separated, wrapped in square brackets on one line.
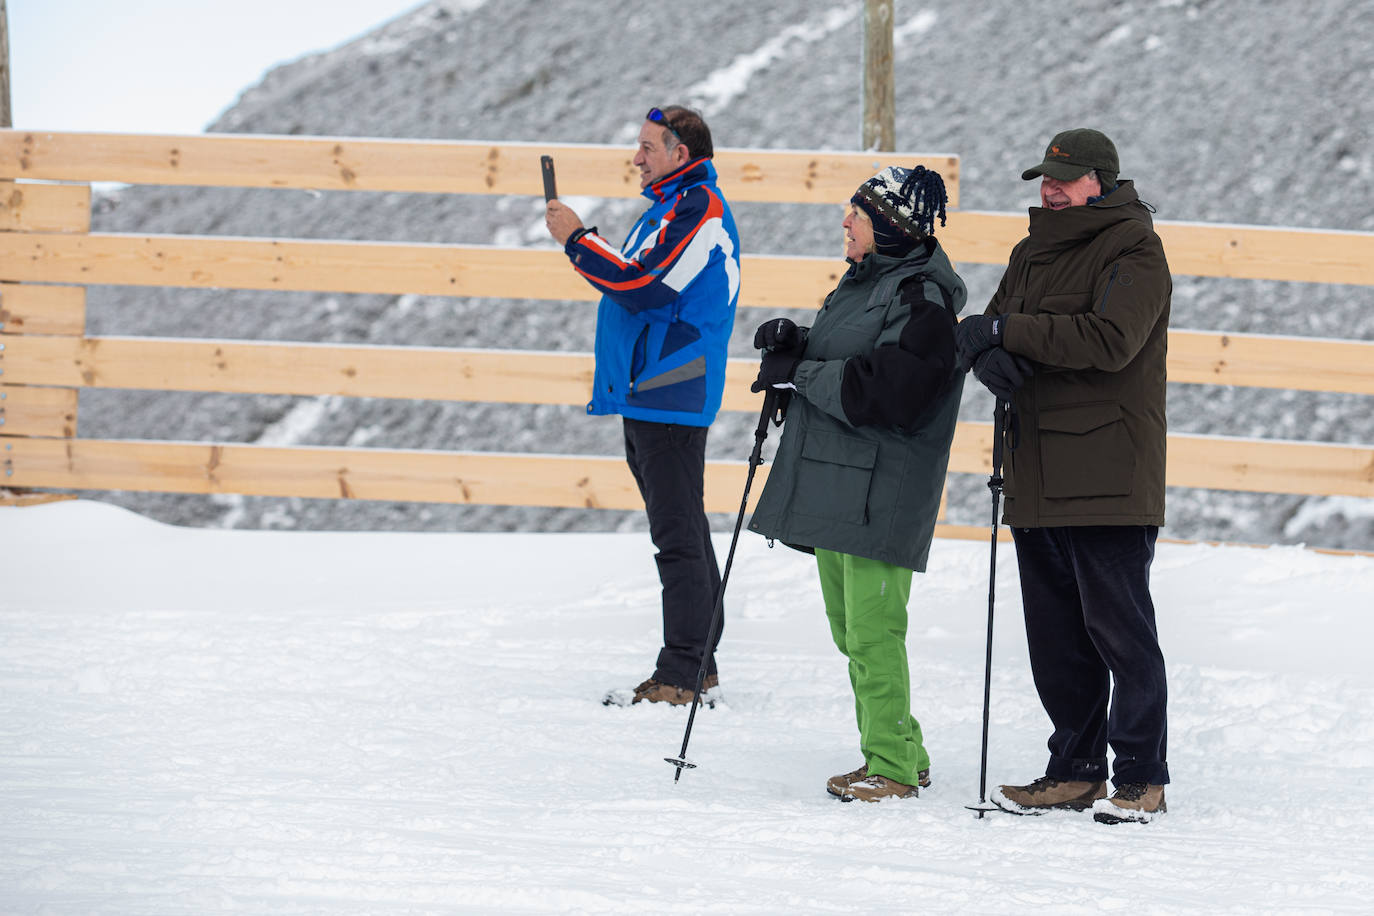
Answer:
[(1053, 231)]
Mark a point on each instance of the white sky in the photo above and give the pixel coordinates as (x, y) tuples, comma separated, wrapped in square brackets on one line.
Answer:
[(163, 66)]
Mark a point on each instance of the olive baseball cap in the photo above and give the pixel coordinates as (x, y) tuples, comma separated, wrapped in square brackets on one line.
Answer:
[(1074, 153)]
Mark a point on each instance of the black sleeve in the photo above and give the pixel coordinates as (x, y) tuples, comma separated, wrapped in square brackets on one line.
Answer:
[(897, 383)]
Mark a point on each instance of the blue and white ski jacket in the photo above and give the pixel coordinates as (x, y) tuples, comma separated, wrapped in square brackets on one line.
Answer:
[(668, 302)]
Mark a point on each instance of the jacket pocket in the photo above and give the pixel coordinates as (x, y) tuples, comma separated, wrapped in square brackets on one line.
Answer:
[(834, 475), (1085, 451), (639, 357)]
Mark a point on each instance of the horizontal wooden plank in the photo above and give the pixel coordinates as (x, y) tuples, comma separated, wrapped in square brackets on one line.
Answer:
[(538, 377), (30, 309), (1213, 462), (359, 267), (1266, 361), (429, 166), (243, 367), (973, 533), (767, 281), (33, 207), (1198, 249), (329, 266), (1262, 253), (28, 411), (1270, 466), (20, 498), (976, 237), (337, 473), (1224, 463)]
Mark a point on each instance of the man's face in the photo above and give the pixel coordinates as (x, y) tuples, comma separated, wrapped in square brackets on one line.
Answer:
[(1058, 195), (858, 234), (652, 158)]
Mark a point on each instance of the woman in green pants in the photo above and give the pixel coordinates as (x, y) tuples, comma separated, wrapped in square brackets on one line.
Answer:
[(873, 394)]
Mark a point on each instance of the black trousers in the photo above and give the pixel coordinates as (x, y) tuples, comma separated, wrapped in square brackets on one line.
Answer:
[(1090, 621), (669, 464)]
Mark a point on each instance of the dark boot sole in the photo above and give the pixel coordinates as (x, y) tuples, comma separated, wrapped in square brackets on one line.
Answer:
[(1103, 817), (1075, 807)]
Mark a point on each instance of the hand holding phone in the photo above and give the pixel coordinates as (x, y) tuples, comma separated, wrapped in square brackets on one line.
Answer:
[(550, 188)]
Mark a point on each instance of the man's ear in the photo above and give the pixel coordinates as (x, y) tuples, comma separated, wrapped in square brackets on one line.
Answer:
[(681, 154)]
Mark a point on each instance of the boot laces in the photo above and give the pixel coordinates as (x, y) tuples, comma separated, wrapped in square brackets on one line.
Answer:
[(1131, 791)]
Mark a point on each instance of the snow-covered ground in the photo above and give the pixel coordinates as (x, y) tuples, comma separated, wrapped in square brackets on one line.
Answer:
[(271, 722)]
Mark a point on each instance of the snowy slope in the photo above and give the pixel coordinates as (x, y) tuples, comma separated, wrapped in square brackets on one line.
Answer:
[(205, 720), (1242, 111)]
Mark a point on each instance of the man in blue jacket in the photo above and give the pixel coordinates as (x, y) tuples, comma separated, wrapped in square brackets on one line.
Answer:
[(667, 309)]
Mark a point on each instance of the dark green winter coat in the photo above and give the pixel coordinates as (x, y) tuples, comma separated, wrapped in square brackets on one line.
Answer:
[(862, 460), (1087, 299)]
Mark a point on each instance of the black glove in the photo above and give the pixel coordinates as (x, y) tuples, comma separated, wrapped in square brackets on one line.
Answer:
[(781, 335), (975, 335), (775, 371), (1001, 372)]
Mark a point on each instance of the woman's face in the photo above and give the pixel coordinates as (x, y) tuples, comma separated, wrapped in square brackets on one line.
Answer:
[(858, 234)]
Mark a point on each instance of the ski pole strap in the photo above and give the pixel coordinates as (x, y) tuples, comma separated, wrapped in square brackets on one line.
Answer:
[(771, 398)]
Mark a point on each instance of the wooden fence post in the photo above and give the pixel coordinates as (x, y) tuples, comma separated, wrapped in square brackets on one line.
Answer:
[(6, 114), (878, 112)]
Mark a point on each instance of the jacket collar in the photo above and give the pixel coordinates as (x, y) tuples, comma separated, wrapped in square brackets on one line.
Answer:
[(1053, 231), (695, 172), (875, 264)]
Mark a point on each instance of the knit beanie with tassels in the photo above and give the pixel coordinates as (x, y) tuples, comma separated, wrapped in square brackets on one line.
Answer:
[(902, 205)]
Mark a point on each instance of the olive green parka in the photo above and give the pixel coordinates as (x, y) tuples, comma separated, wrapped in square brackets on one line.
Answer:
[(1086, 295), (861, 464)]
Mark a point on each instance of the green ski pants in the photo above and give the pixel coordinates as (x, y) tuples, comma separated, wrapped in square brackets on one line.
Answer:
[(865, 601)]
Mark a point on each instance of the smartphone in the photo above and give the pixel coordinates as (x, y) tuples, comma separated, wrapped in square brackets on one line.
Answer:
[(550, 189)]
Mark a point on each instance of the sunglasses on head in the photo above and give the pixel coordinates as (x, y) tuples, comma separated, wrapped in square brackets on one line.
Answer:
[(658, 117)]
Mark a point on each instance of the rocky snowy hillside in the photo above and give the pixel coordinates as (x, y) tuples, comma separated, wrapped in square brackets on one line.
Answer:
[(1235, 111)]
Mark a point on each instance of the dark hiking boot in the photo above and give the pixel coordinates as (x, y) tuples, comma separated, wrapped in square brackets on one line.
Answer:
[(1133, 802), (836, 785), (877, 788), (652, 691), (1047, 794)]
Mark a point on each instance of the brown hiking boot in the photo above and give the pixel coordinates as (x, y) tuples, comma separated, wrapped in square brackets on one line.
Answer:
[(652, 691), (1134, 802), (836, 785), (877, 788), (1047, 794)]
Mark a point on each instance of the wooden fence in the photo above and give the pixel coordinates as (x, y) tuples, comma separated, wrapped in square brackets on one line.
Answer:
[(48, 257)]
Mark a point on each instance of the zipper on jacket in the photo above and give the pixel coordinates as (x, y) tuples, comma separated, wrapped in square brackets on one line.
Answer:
[(638, 357), (1102, 306)]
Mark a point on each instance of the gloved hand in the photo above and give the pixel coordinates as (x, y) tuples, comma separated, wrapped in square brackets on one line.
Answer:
[(1001, 372), (775, 371), (975, 335), (781, 335)]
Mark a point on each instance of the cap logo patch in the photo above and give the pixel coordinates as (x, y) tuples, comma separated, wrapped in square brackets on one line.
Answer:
[(1056, 151)]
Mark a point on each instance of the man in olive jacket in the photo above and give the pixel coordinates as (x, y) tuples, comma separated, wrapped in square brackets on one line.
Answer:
[(1075, 340)]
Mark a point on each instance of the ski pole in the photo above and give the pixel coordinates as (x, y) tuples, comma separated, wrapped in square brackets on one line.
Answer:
[(999, 429), (770, 403)]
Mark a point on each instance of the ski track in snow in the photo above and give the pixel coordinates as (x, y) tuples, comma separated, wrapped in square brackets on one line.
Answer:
[(198, 720)]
